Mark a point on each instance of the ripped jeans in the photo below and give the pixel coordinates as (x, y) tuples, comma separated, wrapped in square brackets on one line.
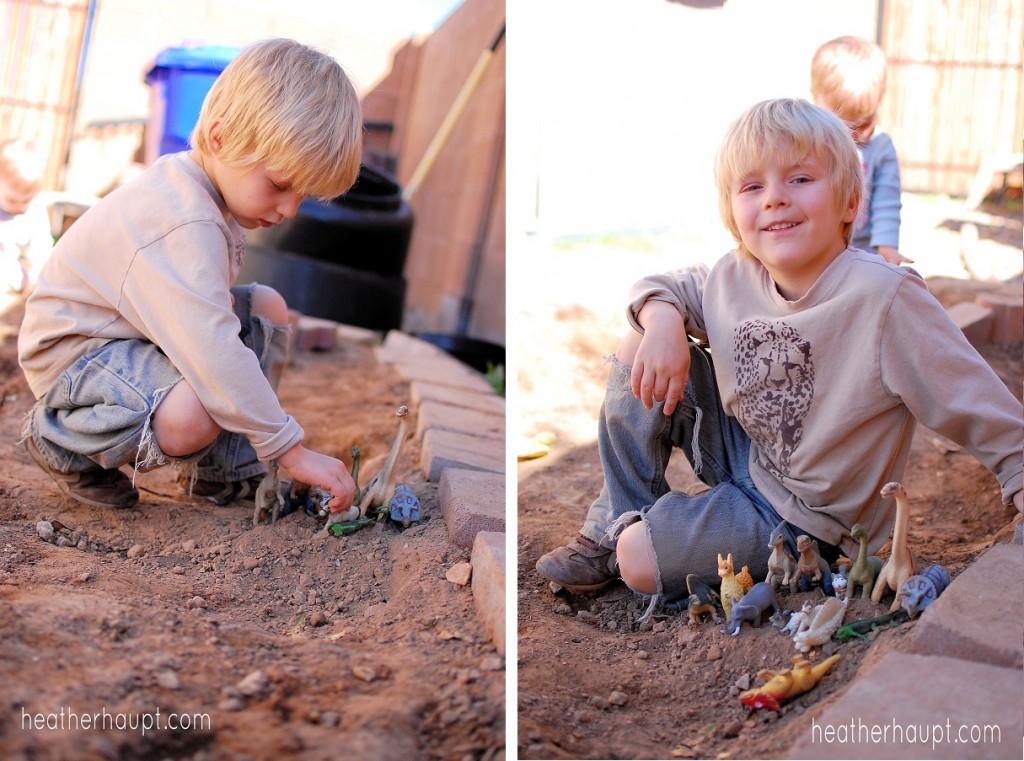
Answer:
[(98, 413), (687, 532)]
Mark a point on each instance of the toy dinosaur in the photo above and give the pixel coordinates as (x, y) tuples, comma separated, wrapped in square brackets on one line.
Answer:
[(920, 591), (825, 620), (732, 586), (839, 583), (863, 626), (381, 488), (865, 568), (785, 684), (781, 564), (751, 607), (800, 620), (810, 566), (268, 498), (404, 506), (901, 564), (702, 600)]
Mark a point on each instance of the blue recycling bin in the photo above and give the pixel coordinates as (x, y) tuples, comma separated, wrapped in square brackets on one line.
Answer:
[(179, 80)]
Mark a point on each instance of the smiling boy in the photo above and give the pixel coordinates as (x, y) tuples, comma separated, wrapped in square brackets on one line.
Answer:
[(815, 361), (137, 344)]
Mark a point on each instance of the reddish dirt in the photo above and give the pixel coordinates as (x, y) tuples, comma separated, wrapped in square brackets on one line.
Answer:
[(272, 641), (591, 683)]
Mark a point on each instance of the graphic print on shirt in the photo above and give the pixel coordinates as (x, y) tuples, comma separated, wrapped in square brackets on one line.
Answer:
[(774, 388)]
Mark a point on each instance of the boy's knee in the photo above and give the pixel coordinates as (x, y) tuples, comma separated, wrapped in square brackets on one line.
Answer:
[(181, 425), (270, 304), (635, 555), (628, 346)]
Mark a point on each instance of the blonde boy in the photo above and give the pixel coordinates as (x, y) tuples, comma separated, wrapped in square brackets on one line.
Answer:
[(136, 343), (848, 77), (815, 360), (25, 239)]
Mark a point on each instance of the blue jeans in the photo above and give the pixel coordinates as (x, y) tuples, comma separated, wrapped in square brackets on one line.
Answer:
[(98, 413), (687, 532)]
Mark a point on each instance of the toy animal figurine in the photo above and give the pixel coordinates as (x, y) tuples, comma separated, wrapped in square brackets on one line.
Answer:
[(839, 583), (864, 626), (381, 488), (901, 564), (701, 602), (825, 620), (865, 568), (751, 607), (404, 506), (800, 620), (781, 565), (732, 586), (269, 499), (920, 591), (810, 566), (785, 684)]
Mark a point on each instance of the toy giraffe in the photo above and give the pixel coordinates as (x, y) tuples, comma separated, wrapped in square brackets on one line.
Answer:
[(901, 564)]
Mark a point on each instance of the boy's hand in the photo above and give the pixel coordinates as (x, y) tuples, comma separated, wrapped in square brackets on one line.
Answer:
[(328, 473), (891, 255), (662, 361)]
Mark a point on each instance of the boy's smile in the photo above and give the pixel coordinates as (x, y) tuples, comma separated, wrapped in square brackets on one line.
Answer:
[(787, 218)]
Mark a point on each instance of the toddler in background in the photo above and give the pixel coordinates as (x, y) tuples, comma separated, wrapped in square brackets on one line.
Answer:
[(25, 239), (848, 78)]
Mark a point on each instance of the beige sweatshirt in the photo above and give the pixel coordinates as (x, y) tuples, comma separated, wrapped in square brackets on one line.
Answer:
[(155, 260), (829, 386)]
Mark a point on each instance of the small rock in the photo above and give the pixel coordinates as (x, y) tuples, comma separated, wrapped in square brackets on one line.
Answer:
[(189, 545), (731, 728), (45, 531), (178, 570), (136, 550), (195, 602), (492, 663), (714, 653), (317, 618), (84, 577), (743, 683), (168, 679), (330, 719), (364, 673), (460, 574), (248, 563), (231, 704), (63, 541), (617, 699), (254, 684)]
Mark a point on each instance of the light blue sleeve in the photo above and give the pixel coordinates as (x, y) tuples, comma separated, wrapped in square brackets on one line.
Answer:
[(883, 174)]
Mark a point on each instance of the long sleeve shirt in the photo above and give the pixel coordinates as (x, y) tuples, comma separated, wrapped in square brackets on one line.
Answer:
[(829, 387), (155, 260), (879, 222)]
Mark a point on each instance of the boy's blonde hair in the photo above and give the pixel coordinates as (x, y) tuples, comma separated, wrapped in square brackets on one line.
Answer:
[(791, 129), (21, 167), (848, 78), (291, 107)]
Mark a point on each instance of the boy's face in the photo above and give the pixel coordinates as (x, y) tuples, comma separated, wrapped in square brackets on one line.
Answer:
[(254, 196), (14, 200), (787, 218)]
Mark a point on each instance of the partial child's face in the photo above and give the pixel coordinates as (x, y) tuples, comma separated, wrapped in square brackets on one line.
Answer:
[(254, 196), (787, 218), (14, 198)]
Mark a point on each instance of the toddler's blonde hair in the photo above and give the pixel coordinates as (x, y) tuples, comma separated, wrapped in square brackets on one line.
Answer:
[(291, 107), (848, 78), (790, 129), (21, 167)]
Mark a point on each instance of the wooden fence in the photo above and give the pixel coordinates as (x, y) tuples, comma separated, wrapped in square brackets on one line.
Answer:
[(954, 93), (40, 59)]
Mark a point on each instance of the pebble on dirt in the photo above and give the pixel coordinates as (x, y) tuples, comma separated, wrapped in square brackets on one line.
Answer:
[(460, 574)]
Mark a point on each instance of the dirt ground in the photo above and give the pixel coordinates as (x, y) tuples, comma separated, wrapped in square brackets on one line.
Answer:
[(593, 684), (266, 642)]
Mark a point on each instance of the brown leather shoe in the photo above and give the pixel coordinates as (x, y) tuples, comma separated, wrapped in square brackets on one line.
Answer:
[(580, 566), (98, 487)]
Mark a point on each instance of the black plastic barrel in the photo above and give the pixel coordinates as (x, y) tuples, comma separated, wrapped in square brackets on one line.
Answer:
[(368, 228), (331, 291)]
